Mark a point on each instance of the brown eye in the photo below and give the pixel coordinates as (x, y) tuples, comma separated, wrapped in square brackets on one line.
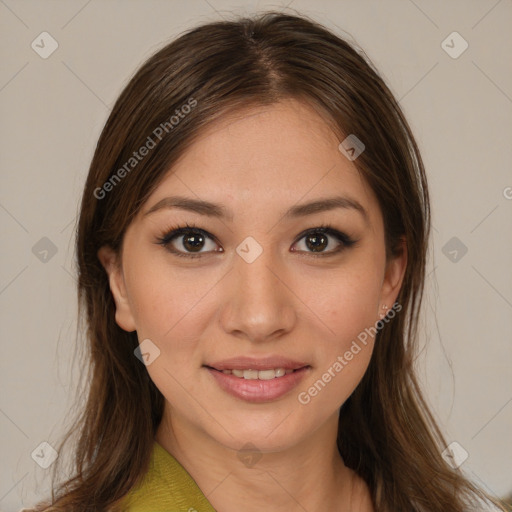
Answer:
[(193, 242), (318, 241), (188, 242)]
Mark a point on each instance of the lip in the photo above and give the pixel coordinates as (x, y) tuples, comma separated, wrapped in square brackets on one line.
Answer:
[(256, 390), (253, 363)]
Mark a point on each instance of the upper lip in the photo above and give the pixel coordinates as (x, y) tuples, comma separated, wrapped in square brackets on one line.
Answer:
[(261, 363)]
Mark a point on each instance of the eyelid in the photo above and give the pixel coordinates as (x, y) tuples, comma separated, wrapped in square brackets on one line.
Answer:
[(177, 231), (345, 241)]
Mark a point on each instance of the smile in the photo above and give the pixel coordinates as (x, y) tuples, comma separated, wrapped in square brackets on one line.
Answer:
[(258, 374), (258, 386)]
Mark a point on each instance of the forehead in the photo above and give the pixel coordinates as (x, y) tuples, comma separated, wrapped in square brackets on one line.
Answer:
[(267, 158)]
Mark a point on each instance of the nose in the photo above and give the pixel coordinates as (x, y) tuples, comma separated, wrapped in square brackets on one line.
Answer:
[(258, 306)]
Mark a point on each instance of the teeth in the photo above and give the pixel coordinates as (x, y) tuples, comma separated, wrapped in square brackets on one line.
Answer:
[(269, 374), (258, 374)]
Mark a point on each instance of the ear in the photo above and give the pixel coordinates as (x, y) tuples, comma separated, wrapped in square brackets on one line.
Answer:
[(393, 278), (110, 261)]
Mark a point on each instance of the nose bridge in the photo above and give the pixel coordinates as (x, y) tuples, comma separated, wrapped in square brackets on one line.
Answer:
[(260, 305), (257, 278)]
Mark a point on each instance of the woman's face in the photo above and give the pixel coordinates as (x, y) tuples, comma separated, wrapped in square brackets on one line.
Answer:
[(259, 287)]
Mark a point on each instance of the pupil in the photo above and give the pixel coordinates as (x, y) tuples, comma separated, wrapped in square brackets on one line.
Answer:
[(314, 242), (318, 242), (193, 242)]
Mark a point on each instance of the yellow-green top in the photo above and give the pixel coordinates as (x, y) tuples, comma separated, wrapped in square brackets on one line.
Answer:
[(166, 487)]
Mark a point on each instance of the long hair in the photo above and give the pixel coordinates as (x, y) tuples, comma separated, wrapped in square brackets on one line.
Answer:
[(386, 432)]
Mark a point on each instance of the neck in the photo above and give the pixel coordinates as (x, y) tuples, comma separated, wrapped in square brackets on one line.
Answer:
[(310, 476)]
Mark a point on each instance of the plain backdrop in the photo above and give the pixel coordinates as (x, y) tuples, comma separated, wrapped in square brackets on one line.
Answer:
[(458, 101)]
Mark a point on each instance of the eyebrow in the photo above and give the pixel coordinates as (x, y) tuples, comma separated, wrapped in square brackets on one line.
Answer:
[(220, 211)]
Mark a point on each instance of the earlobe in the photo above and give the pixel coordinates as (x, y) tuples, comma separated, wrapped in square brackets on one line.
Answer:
[(110, 261), (394, 277)]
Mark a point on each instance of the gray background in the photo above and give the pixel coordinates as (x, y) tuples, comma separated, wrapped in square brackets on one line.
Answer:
[(52, 111)]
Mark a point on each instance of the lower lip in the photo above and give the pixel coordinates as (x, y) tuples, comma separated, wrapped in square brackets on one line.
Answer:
[(256, 390)]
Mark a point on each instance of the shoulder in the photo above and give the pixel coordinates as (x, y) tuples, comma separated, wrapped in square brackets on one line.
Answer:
[(40, 507), (362, 499), (361, 495), (166, 486), (480, 505)]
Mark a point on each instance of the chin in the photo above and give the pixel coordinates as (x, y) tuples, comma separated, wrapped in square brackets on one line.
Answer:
[(264, 434)]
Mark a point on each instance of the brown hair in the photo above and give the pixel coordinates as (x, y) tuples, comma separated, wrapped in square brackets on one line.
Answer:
[(386, 432)]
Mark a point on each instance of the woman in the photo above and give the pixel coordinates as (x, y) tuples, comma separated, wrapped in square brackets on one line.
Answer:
[(251, 251)]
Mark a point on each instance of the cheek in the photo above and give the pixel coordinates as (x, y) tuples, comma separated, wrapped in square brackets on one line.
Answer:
[(163, 298), (347, 306), (169, 311), (173, 308), (348, 303)]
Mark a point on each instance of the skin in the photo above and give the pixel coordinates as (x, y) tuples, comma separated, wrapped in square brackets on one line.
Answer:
[(284, 303)]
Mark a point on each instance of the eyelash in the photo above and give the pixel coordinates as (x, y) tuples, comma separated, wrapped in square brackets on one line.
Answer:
[(175, 231)]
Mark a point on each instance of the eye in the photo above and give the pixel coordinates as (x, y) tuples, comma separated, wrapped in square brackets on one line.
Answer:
[(317, 240), (181, 240), (189, 241)]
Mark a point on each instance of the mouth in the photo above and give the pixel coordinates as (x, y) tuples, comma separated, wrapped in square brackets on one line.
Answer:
[(258, 380), (252, 374)]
